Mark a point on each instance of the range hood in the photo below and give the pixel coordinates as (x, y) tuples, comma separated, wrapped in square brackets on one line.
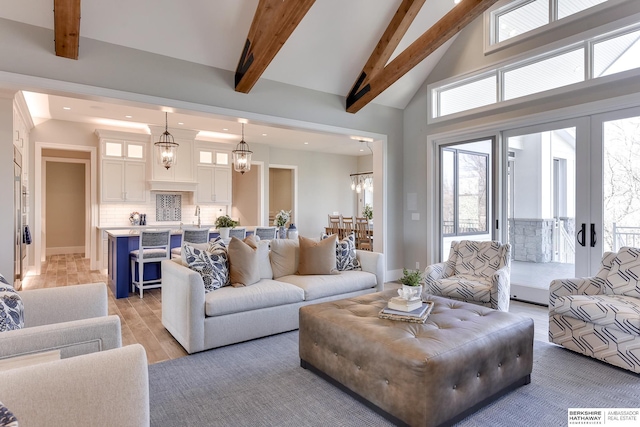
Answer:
[(173, 186)]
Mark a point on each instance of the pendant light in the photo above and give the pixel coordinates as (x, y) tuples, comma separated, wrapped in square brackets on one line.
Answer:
[(242, 156), (167, 147)]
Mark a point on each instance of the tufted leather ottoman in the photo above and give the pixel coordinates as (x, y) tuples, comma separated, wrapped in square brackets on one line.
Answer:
[(428, 374)]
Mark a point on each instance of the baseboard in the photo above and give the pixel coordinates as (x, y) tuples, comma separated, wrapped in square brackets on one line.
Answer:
[(64, 250), (393, 275)]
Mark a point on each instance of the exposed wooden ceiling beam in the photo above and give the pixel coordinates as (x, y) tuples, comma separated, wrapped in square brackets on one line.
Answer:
[(448, 26), (66, 15), (273, 23), (388, 43)]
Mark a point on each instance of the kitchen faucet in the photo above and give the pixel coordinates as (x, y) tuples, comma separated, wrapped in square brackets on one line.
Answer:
[(198, 214)]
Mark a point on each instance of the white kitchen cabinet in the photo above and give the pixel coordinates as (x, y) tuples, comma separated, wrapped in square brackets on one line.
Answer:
[(123, 181), (214, 185), (123, 167)]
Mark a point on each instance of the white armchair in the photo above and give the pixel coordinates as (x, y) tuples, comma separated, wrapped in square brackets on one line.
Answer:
[(476, 272), (72, 319), (599, 316), (108, 388)]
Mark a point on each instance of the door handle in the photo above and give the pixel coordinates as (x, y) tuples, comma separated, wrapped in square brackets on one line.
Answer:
[(580, 234), (593, 235)]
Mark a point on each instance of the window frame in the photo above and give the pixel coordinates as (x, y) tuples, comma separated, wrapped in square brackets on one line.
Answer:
[(456, 193), (585, 41), (490, 33)]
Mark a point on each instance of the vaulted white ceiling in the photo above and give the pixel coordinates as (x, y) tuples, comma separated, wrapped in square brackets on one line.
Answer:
[(326, 52)]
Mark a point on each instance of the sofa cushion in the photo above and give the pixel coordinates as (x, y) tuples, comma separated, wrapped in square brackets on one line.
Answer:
[(466, 287), (284, 257), (623, 277), (346, 258), (317, 257), (212, 266), (11, 307), (243, 261), (264, 262), (7, 419), (265, 293), (212, 245), (615, 311), (321, 286)]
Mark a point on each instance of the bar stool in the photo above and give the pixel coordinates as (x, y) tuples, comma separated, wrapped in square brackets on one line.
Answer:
[(155, 246), (265, 233), (190, 235), (238, 232)]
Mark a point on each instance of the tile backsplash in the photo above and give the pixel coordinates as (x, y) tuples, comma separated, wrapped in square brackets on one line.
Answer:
[(168, 207), (117, 215)]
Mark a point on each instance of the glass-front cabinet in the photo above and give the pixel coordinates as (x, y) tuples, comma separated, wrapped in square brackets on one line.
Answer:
[(123, 166)]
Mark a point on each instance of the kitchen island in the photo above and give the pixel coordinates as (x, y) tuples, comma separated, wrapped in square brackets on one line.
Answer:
[(121, 242)]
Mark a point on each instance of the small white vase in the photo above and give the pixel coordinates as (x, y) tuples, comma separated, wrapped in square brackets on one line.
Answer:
[(224, 232)]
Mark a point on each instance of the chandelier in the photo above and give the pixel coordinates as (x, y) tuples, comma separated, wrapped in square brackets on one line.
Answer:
[(167, 147), (361, 181), (242, 156)]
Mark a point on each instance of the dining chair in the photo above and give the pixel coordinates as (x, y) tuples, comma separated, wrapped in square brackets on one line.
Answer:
[(155, 246), (266, 233), (190, 235), (363, 234), (334, 224), (347, 226)]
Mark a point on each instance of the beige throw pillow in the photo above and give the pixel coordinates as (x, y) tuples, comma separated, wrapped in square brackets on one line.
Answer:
[(317, 257), (284, 257), (243, 263)]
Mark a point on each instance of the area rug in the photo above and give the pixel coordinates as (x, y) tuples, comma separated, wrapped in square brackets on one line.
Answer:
[(261, 383)]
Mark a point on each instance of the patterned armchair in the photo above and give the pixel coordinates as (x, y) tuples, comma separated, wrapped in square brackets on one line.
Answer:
[(476, 272), (600, 316)]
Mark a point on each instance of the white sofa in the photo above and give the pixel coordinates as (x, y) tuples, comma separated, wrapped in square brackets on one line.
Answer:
[(201, 321)]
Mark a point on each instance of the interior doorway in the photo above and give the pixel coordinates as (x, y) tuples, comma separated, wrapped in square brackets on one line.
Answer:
[(65, 205), (282, 191), (50, 153), (248, 197)]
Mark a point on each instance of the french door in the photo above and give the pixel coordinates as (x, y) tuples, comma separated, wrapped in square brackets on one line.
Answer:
[(547, 202)]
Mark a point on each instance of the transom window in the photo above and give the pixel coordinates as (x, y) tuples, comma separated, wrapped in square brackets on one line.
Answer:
[(593, 58), (522, 16)]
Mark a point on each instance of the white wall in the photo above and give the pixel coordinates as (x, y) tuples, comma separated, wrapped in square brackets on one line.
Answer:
[(131, 74)]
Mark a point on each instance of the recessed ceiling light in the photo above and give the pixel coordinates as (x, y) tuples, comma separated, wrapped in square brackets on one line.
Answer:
[(128, 116), (66, 108), (264, 134), (361, 149), (306, 143), (457, 1), (180, 123), (225, 129)]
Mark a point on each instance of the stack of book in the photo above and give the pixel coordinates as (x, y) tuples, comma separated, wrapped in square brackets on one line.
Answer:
[(407, 311)]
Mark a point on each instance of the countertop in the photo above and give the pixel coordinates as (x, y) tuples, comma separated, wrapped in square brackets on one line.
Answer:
[(135, 230)]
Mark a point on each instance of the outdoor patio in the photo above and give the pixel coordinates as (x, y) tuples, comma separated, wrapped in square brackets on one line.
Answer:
[(539, 274)]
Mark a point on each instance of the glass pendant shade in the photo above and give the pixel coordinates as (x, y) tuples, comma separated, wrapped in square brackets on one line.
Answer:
[(167, 147), (242, 156)]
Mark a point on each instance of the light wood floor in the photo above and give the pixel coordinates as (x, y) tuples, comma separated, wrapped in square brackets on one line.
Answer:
[(141, 319)]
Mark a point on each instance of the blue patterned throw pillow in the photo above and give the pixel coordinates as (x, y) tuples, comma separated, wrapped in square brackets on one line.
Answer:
[(7, 419), (346, 253), (212, 264), (11, 308)]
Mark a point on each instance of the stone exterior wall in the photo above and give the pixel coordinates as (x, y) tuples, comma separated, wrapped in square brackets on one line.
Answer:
[(531, 239)]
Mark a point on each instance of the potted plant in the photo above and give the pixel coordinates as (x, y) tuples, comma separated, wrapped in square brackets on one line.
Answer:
[(224, 224), (367, 212), (411, 283)]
